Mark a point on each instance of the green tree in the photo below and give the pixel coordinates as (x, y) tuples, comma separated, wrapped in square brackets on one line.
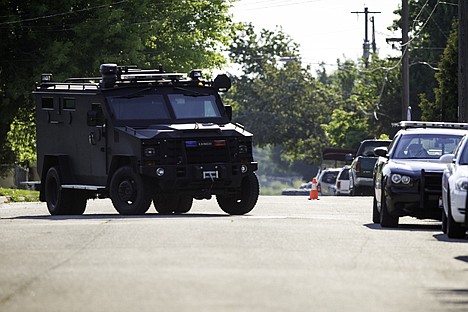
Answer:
[(71, 38), (430, 24), (445, 107), (278, 99)]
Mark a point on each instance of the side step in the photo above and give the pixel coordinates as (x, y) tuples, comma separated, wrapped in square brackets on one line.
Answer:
[(83, 187)]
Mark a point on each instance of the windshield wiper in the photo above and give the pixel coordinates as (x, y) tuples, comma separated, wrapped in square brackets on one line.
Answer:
[(192, 93)]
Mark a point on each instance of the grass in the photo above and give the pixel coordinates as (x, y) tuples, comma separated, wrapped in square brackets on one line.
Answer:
[(17, 195)]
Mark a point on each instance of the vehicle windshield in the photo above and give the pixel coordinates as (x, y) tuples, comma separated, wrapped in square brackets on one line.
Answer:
[(146, 107), (426, 146), (193, 106)]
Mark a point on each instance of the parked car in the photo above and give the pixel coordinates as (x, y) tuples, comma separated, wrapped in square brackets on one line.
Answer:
[(408, 174), (342, 182), (304, 189), (454, 191), (327, 180), (362, 166)]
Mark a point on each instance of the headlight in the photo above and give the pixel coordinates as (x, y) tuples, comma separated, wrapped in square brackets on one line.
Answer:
[(398, 178), (150, 151), (461, 184)]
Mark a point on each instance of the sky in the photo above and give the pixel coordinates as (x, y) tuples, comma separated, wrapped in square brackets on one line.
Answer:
[(326, 30)]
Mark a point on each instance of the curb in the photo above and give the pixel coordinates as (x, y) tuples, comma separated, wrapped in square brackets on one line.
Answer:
[(3, 199)]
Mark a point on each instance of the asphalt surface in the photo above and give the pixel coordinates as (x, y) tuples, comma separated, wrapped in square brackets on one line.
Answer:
[(288, 254)]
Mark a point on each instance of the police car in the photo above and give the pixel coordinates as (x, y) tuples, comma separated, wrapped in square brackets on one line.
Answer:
[(454, 192), (408, 174)]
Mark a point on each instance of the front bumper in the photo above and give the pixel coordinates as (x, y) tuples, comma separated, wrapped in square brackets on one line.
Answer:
[(411, 202), (364, 181), (199, 177)]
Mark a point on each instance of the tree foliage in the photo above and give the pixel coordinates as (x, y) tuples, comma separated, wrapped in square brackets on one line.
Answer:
[(276, 98), (445, 106), (430, 23), (71, 38)]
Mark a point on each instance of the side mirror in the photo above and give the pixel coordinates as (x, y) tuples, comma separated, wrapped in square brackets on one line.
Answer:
[(228, 109), (91, 119), (381, 151), (447, 158), (349, 159)]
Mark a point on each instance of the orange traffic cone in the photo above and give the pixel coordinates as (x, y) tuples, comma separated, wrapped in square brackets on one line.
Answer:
[(313, 190)]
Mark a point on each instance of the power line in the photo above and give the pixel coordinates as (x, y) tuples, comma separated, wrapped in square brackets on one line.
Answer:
[(61, 14)]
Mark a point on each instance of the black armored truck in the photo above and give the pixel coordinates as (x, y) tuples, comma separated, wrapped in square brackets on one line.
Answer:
[(140, 136)]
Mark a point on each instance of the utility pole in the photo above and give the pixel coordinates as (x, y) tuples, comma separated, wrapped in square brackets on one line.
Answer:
[(366, 45), (462, 61), (374, 45), (405, 60)]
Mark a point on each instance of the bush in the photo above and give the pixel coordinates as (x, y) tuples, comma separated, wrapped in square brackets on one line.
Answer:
[(16, 195)]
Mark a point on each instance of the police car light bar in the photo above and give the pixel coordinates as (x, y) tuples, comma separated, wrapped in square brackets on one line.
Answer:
[(430, 124)]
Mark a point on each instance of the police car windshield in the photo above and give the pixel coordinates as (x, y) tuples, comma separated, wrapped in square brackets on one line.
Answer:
[(191, 105), (426, 146)]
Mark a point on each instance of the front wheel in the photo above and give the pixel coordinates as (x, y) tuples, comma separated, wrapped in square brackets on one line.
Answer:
[(454, 229), (386, 220), (128, 192), (375, 212), (243, 201)]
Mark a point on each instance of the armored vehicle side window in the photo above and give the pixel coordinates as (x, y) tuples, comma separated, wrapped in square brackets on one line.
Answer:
[(69, 104), (139, 108), (47, 103), (190, 106)]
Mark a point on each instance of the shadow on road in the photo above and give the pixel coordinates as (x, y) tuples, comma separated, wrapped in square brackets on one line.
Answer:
[(444, 238), (406, 227), (117, 216)]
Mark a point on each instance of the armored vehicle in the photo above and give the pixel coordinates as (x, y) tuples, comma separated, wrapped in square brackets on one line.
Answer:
[(140, 136)]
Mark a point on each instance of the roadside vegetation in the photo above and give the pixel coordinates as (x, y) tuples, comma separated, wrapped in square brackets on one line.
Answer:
[(17, 195)]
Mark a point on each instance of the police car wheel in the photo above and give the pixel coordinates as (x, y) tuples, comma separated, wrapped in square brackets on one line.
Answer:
[(128, 192), (58, 200), (454, 229), (386, 220), (244, 201), (375, 212)]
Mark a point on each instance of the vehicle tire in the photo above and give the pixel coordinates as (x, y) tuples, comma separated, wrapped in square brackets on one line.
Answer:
[(386, 220), (172, 203), (454, 229), (58, 200), (184, 205), (444, 222), (375, 212), (242, 202), (78, 201), (129, 193)]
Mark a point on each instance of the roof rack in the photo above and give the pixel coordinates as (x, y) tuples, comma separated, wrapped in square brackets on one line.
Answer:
[(430, 124)]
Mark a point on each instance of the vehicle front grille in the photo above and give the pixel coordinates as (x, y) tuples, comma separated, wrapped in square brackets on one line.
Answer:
[(432, 181), (207, 154)]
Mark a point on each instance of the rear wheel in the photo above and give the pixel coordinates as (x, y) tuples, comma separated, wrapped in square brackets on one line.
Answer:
[(128, 192), (243, 201), (61, 201), (386, 220)]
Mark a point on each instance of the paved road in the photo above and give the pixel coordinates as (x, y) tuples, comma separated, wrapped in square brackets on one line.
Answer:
[(288, 254)]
